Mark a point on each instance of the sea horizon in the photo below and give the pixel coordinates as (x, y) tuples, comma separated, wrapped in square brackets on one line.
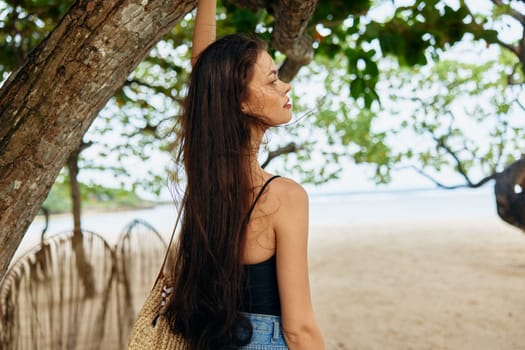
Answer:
[(327, 208)]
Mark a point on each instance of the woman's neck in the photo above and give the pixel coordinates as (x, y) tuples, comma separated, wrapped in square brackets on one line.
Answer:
[(257, 172)]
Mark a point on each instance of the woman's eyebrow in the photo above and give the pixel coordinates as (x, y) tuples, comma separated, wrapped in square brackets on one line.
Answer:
[(273, 72)]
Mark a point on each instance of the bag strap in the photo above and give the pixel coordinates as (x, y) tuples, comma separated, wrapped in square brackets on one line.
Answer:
[(161, 272), (260, 194)]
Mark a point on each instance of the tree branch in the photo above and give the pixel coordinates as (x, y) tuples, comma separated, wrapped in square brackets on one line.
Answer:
[(291, 66), (519, 50), (289, 148), (513, 13), (520, 104), (288, 36), (158, 89), (510, 202), (514, 49), (510, 77), (440, 141), (291, 19), (469, 184)]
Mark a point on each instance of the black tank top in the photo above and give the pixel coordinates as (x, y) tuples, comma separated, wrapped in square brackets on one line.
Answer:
[(261, 292)]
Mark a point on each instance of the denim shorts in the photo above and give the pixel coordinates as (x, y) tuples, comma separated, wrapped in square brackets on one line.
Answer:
[(267, 333)]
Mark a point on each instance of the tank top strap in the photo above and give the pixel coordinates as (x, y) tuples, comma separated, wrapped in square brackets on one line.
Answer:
[(260, 194)]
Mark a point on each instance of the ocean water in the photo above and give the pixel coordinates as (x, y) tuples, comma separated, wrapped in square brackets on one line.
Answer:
[(325, 209), (402, 206)]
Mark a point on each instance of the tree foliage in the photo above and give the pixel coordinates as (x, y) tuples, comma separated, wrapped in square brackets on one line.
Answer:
[(345, 34), (462, 116), (351, 43)]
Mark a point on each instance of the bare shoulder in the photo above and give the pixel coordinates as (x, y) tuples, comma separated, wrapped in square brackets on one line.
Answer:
[(289, 191), (291, 204)]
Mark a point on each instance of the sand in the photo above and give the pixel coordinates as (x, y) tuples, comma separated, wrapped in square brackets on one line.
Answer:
[(438, 285), (420, 285)]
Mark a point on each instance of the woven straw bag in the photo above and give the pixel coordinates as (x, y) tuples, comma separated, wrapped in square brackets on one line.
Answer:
[(151, 329)]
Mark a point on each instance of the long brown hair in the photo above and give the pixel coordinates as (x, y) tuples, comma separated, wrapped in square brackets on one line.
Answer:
[(215, 150)]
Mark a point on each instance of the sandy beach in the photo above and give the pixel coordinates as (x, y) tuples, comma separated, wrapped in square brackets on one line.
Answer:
[(420, 285), (454, 279)]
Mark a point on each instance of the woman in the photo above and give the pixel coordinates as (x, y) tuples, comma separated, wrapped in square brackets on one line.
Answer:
[(241, 272)]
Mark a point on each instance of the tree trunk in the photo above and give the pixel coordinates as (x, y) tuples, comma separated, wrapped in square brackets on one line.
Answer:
[(47, 105), (288, 36), (85, 270), (74, 187), (510, 194)]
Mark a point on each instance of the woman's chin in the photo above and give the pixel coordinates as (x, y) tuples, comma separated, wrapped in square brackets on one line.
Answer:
[(280, 120), (288, 118)]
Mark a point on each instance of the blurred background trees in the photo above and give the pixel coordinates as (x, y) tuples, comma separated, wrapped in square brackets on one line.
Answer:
[(365, 52), (432, 85)]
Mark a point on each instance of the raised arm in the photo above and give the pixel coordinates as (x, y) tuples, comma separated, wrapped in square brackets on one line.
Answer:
[(205, 28)]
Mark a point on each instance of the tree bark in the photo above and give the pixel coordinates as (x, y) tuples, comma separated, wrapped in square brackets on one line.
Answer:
[(289, 148), (51, 100), (288, 36), (84, 268), (510, 194), (47, 105), (74, 187)]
